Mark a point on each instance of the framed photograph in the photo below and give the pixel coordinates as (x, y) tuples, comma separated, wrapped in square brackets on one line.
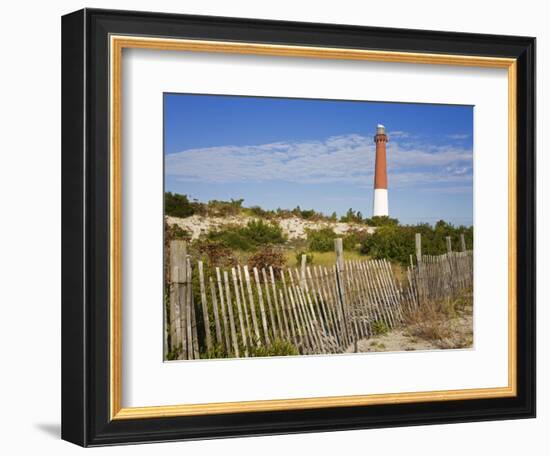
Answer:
[(279, 227)]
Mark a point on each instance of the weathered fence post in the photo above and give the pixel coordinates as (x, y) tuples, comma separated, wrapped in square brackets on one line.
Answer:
[(452, 263), (340, 283), (192, 353), (303, 282), (174, 323), (178, 275), (418, 245), (419, 269), (449, 245), (205, 316), (462, 243), (195, 337)]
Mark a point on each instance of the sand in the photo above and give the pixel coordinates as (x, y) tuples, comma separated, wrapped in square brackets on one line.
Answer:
[(401, 339)]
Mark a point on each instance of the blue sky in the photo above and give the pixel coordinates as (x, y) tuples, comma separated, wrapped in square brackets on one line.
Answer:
[(279, 152)]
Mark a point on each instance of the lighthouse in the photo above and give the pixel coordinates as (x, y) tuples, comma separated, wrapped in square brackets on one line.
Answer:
[(380, 205)]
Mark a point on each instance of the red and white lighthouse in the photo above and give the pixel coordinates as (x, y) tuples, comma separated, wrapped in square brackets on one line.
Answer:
[(380, 205)]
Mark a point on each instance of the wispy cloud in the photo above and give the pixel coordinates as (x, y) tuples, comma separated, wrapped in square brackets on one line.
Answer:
[(460, 189), (399, 134), (459, 136), (346, 159)]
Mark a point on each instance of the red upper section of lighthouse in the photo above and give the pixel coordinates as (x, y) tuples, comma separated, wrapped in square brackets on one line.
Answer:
[(380, 167)]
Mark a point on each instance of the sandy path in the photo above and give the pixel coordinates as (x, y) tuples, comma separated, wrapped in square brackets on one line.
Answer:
[(402, 339), (394, 341)]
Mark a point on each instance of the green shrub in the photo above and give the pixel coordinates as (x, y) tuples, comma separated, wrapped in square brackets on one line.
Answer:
[(257, 211), (255, 234), (232, 237), (321, 240), (178, 205), (217, 208), (308, 214), (352, 216), (389, 242), (283, 213), (379, 328), (172, 232), (397, 243), (383, 220), (262, 233), (354, 239)]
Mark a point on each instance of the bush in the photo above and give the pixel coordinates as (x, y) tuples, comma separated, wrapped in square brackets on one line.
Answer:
[(283, 213), (178, 205), (261, 233), (266, 257), (172, 232), (382, 221), (379, 328), (217, 254), (352, 216), (397, 243), (306, 214), (389, 242), (354, 239), (321, 240), (255, 234), (218, 208), (232, 237), (257, 211)]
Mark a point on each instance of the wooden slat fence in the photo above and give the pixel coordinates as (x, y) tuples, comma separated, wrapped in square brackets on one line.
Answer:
[(317, 309), (437, 277)]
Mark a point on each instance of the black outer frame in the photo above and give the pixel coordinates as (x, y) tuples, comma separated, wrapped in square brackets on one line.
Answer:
[(85, 227)]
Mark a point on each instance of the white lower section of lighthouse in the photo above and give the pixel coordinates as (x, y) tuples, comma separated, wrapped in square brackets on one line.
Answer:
[(380, 202)]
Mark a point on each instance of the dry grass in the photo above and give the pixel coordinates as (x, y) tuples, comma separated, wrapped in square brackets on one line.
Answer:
[(324, 258), (319, 258), (446, 324)]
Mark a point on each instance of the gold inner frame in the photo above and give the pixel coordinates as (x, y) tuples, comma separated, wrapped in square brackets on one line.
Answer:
[(117, 44)]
